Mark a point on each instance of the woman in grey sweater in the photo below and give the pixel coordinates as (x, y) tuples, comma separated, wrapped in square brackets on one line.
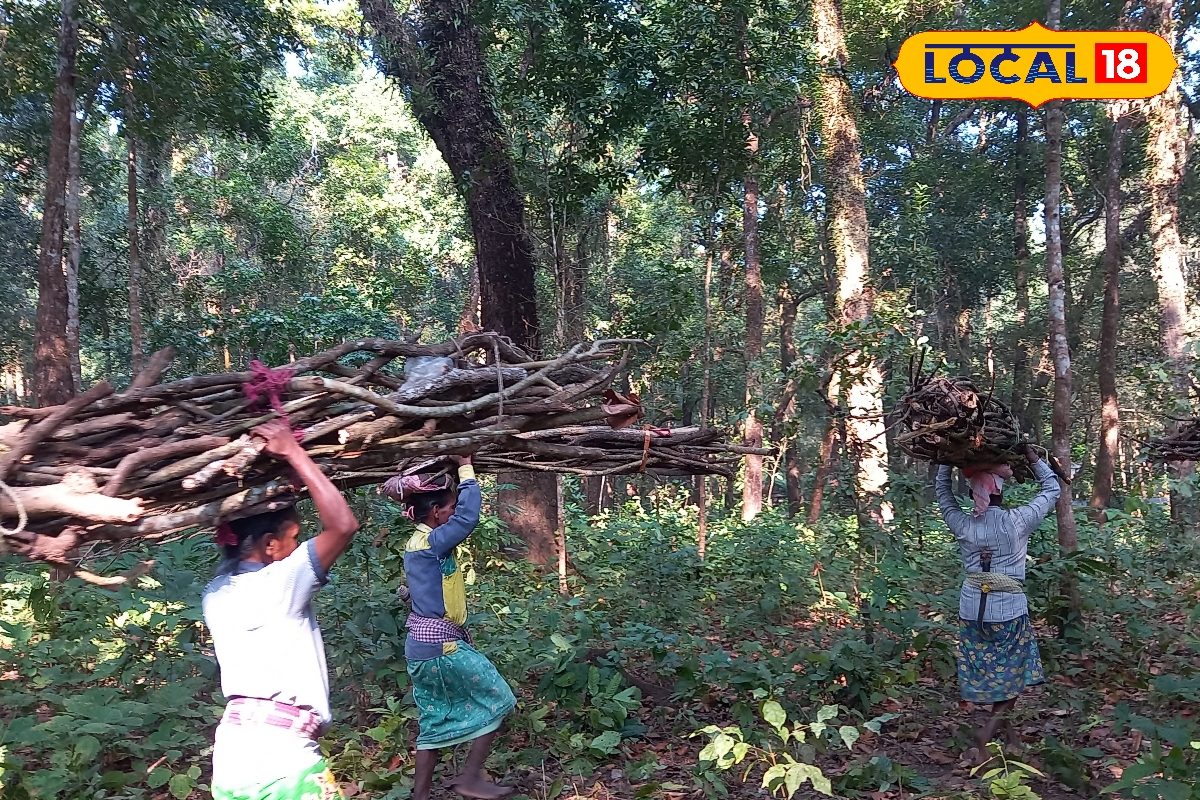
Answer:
[(997, 648)]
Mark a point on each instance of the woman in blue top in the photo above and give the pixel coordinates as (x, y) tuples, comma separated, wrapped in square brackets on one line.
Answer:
[(459, 694)]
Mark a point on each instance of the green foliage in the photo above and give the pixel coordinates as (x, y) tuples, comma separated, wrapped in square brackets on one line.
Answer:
[(115, 694), (786, 755), (752, 647), (1008, 780), (1171, 770)]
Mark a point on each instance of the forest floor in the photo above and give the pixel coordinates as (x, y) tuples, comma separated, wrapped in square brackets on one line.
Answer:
[(1114, 694), (636, 682), (1076, 755)]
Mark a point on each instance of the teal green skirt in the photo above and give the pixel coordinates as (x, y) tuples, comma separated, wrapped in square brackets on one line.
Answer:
[(999, 662), (460, 697)]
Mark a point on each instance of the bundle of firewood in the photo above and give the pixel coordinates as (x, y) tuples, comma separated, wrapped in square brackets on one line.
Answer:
[(157, 459), (949, 421), (1183, 445)]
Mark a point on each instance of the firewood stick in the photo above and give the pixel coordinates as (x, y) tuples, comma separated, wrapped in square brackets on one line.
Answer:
[(32, 437), (60, 498), (154, 368), (314, 383), (114, 582), (153, 455), (187, 466), (205, 515)]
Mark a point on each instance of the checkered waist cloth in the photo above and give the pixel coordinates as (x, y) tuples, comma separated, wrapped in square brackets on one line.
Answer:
[(431, 630), (255, 711)]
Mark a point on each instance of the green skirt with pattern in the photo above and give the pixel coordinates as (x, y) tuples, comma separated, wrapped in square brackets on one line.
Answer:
[(460, 697), (998, 662)]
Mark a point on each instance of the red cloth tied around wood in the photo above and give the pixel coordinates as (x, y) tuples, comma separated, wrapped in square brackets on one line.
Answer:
[(269, 384)]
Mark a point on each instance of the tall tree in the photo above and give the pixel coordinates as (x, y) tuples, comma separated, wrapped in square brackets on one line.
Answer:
[(849, 240), (437, 55), (74, 224), (1110, 414), (1059, 347), (1167, 153), (134, 259), (1022, 376), (53, 383), (789, 305), (752, 489)]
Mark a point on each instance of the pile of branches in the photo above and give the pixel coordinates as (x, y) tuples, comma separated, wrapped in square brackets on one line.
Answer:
[(949, 421), (158, 459), (1183, 445)]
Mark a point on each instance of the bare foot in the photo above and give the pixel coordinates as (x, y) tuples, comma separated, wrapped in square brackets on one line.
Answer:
[(975, 758), (479, 789)]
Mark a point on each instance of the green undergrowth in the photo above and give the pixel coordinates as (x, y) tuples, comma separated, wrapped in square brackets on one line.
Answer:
[(791, 660)]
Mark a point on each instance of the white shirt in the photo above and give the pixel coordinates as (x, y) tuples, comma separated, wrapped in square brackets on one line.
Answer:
[(266, 638)]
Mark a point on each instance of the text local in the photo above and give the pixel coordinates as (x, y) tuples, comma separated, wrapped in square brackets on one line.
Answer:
[(1041, 68)]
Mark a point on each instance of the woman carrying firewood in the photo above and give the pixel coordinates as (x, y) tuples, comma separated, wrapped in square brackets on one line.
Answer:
[(268, 645), (997, 654), (459, 694)]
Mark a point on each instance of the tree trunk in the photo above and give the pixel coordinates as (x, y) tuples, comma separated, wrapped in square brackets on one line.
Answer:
[(135, 259), (1110, 417), (849, 234), (437, 54), (74, 252), (1022, 376), (468, 320), (137, 348), (1059, 349), (752, 487), (593, 486), (1167, 154), (561, 542), (824, 463), (452, 99), (701, 481), (52, 380), (788, 308)]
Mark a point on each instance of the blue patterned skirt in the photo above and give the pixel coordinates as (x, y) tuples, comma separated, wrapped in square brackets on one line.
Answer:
[(460, 697), (999, 662)]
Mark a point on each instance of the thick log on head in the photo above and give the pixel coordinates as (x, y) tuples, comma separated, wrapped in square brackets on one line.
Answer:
[(65, 499)]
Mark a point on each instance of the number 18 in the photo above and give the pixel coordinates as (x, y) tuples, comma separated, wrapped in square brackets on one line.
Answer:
[(1121, 63)]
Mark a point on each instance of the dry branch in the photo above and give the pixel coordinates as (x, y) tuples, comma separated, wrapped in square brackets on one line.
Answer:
[(949, 421), (1183, 445), (179, 455)]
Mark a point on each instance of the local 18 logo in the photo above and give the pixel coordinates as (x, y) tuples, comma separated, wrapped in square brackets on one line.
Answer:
[(1035, 65)]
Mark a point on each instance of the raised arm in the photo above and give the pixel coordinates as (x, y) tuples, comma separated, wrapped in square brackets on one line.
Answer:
[(954, 516), (338, 524), (455, 531), (1029, 516)]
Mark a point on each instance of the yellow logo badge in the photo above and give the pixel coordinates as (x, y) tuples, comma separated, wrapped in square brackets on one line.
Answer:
[(1035, 65)]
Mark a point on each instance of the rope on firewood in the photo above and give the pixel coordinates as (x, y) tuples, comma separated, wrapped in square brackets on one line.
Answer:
[(22, 517)]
